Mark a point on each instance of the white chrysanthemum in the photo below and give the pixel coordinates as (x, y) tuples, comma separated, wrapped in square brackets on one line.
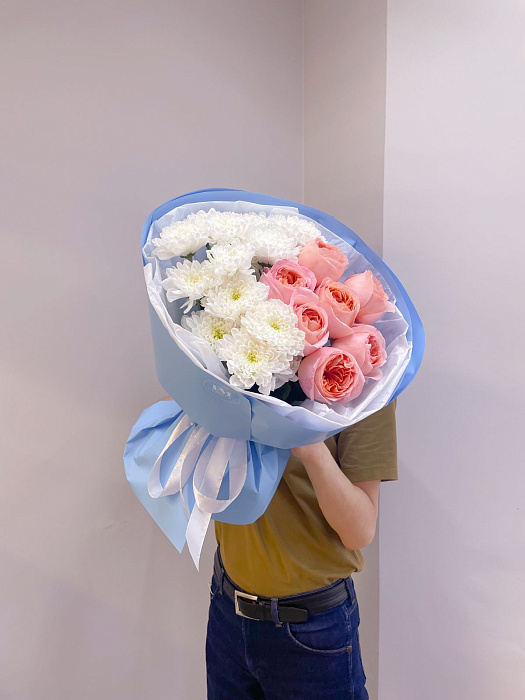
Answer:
[(273, 243), (251, 361), (226, 226), (301, 230), (289, 375), (228, 258), (189, 279), (205, 325), (274, 237), (180, 238), (235, 296), (275, 322)]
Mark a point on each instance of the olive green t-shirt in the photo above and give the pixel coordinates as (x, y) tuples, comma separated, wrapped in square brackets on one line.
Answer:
[(291, 548)]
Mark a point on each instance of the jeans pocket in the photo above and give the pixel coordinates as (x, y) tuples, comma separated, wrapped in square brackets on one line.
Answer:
[(326, 632)]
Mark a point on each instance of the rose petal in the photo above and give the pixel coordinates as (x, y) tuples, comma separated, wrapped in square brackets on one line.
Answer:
[(362, 284), (324, 259)]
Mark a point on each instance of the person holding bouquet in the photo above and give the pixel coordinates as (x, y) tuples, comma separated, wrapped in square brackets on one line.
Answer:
[(283, 347)]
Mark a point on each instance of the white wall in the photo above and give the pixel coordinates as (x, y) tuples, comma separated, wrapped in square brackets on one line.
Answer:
[(344, 112), (109, 109), (127, 104), (344, 119), (452, 529)]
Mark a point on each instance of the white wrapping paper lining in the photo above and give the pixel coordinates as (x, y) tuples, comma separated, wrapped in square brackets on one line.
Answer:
[(310, 414)]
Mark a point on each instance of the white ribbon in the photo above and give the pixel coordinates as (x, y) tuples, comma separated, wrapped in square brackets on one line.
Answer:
[(208, 471)]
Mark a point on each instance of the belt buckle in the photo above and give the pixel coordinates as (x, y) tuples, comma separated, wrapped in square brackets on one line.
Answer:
[(249, 596)]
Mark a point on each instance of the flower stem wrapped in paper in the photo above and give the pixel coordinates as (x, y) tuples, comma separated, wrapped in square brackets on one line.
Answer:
[(274, 326)]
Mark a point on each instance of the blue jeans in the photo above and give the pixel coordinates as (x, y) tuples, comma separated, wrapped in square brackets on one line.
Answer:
[(258, 659)]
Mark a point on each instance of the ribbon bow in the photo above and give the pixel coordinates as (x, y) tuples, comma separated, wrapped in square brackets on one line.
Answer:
[(206, 458)]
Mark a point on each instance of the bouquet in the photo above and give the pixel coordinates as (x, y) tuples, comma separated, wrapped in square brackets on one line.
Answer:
[(274, 326)]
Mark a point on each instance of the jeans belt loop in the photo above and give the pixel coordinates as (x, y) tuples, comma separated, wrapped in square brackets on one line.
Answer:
[(275, 612), (350, 588)]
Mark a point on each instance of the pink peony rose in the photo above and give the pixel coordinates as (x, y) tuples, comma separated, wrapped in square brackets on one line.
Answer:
[(329, 375), (372, 297), (367, 345), (311, 319), (284, 276), (323, 259), (340, 303)]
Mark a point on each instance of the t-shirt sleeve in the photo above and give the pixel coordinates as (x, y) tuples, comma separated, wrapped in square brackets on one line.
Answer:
[(367, 450)]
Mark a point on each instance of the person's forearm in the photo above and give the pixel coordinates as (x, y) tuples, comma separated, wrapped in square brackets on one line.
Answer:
[(346, 507)]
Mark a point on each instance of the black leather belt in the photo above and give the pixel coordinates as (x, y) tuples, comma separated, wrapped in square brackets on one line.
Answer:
[(292, 608)]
